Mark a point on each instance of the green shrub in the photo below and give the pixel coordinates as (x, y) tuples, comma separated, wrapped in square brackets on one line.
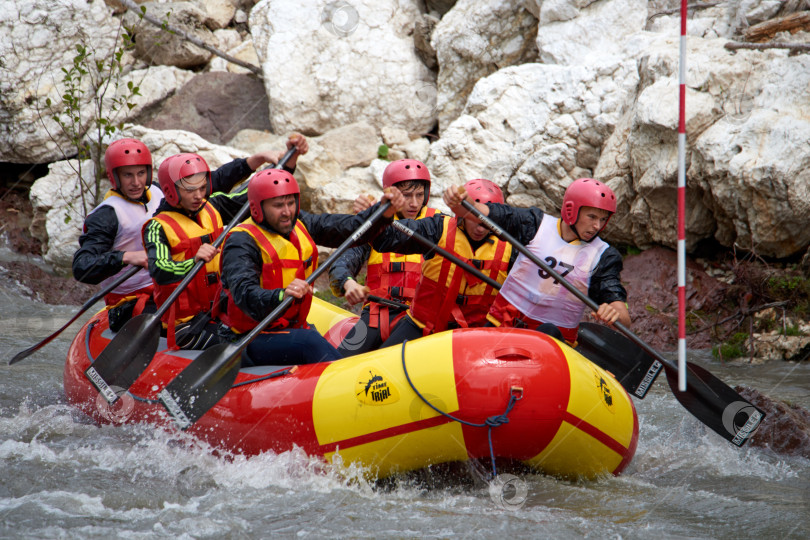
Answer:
[(734, 347)]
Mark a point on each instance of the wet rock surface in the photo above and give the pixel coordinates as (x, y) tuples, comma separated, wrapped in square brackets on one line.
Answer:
[(23, 270), (785, 429), (651, 279)]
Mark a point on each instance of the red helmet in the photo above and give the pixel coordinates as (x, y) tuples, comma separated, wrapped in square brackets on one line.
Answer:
[(180, 166), (481, 190), (267, 184), (125, 152), (586, 192), (403, 170)]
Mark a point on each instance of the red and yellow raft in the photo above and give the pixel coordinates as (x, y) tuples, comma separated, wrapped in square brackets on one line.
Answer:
[(397, 409)]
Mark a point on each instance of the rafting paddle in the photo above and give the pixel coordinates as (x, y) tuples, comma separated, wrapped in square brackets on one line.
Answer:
[(87, 305), (708, 398), (209, 377), (129, 353)]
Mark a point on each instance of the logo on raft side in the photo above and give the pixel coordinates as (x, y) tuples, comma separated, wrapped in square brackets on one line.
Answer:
[(372, 388)]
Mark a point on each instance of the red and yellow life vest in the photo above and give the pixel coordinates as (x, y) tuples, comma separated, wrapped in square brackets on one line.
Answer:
[(185, 236), (447, 293), (395, 277), (282, 261)]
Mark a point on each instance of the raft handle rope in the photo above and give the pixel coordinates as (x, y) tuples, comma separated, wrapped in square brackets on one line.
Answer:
[(273, 375), (516, 394)]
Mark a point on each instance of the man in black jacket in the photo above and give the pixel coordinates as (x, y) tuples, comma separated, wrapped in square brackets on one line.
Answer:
[(269, 257)]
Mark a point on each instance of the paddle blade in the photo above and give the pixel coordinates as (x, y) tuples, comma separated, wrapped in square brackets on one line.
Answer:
[(632, 366), (202, 384), (126, 357), (716, 404)]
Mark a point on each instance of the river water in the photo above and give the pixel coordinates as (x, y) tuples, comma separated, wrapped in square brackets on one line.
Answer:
[(65, 477)]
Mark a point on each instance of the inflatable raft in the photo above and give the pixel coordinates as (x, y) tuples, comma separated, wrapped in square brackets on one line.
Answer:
[(458, 395)]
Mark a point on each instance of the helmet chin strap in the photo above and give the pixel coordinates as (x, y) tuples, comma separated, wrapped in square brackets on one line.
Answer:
[(576, 232)]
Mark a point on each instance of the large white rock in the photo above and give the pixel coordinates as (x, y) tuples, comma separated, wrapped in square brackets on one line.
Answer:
[(474, 39), (584, 32), (533, 129), (331, 64), (37, 41), (156, 46), (35, 47), (60, 209), (747, 128)]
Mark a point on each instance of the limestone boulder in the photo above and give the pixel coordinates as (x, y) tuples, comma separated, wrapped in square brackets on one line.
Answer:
[(353, 62), (473, 40)]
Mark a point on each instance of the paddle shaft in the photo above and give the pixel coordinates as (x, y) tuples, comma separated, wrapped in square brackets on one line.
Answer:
[(387, 302), (446, 254), (87, 305)]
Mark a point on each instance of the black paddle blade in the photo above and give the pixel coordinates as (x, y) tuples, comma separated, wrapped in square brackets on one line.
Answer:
[(716, 404), (202, 384), (632, 366), (126, 357)]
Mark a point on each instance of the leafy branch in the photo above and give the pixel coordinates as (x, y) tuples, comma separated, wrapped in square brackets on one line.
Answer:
[(97, 73)]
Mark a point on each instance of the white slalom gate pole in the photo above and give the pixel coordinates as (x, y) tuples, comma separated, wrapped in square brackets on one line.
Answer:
[(682, 204)]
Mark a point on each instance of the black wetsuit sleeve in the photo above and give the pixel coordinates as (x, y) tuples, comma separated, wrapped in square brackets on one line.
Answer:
[(230, 174), (347, 266), (392, 240), (229, 204), (226, 177), (241, 272), (162, 267), (606, 284), (331, 230), (521, 223), (96, 259)]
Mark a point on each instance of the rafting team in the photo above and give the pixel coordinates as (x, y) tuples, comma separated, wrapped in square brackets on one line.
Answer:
[(410, 289)]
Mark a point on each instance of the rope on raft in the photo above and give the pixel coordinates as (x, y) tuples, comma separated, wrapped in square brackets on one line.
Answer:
[(491, 422)]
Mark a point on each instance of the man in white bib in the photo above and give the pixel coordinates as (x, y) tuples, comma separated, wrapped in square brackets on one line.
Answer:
[(570, 245)]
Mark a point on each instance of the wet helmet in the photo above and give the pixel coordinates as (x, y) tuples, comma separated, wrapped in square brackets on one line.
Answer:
[(271, 183), (483, 191), (125, 152), (403, 170), (586, 192), (177, 167)]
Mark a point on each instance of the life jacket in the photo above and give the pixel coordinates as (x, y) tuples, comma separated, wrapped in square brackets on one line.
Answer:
[(131, 216), (185, 236), (446, 293), (282, 261), (395, 277), (532, 293)]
